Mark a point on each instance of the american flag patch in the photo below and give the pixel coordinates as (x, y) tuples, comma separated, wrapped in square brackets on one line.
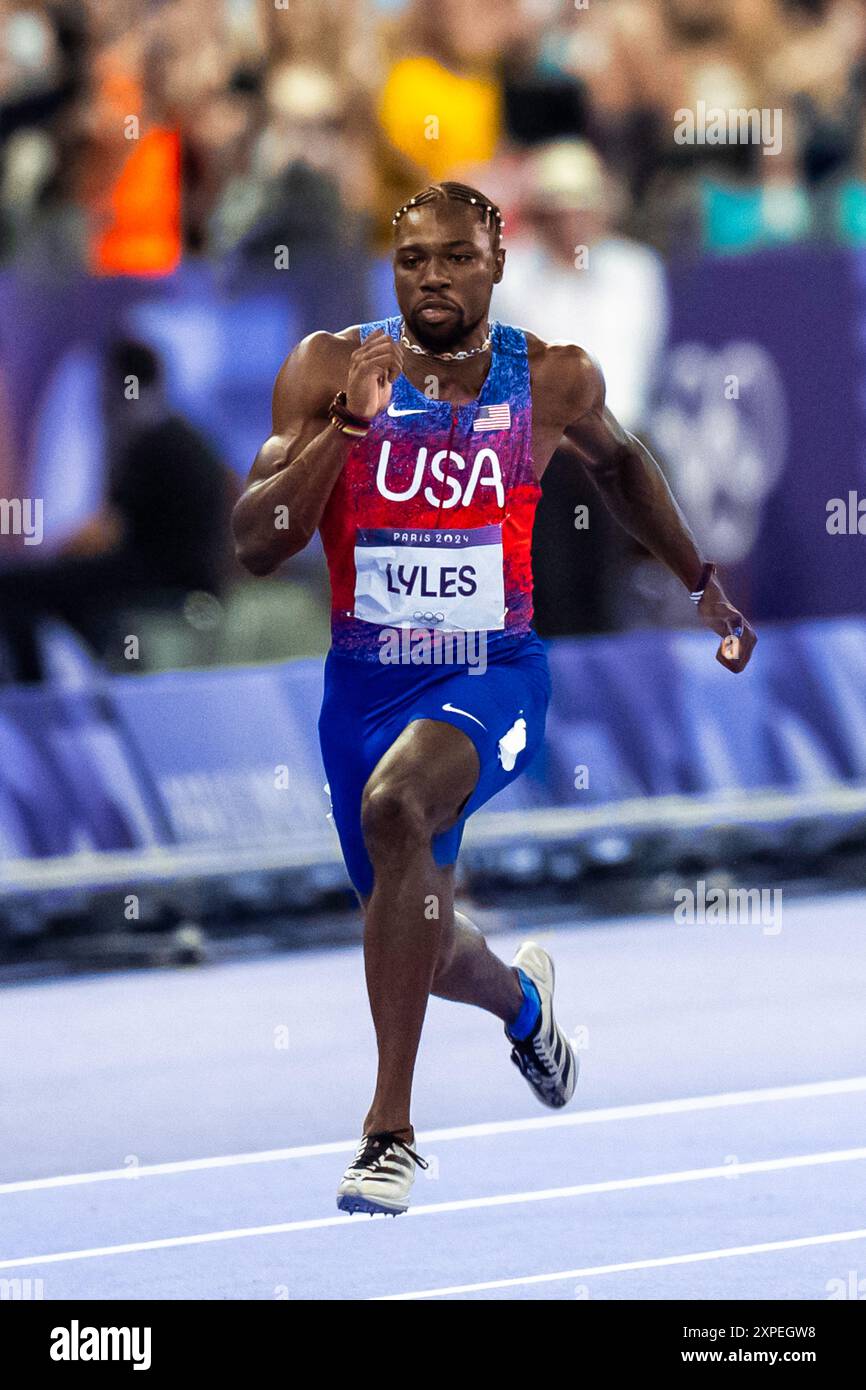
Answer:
[(492, 417)]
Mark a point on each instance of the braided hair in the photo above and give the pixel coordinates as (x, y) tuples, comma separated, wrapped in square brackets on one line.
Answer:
[(491, 216)]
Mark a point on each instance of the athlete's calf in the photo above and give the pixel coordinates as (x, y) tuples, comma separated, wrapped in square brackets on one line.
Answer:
[(412, 944)]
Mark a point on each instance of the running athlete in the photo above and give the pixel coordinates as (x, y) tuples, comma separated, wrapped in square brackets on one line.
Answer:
[(415, 446)]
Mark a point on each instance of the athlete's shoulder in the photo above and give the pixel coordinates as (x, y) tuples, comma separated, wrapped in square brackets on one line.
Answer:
[(317, 361), (563, 374), (320, 347), (311, 374), (350, 335), (559, 357)]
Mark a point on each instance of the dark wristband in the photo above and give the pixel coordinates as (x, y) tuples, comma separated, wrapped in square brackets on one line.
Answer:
[(339, 409), (707, 573)]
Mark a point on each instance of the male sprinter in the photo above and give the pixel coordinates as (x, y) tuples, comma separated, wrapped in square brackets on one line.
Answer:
[(415, 446)]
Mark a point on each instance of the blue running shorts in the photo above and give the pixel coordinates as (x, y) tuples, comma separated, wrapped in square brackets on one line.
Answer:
[(367, 705)]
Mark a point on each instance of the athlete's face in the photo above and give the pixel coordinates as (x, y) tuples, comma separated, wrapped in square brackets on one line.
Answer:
[(444, 272)]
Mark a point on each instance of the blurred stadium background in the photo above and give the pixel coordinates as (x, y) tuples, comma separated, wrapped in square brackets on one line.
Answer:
[(188, 188)]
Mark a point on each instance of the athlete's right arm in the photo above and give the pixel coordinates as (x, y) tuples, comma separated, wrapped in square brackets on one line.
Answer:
[(297, 466)]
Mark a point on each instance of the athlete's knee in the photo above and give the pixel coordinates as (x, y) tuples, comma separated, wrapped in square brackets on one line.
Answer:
[(393, 818)]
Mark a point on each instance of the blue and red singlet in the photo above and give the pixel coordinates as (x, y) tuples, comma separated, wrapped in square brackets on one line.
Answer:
[(427, 531), (430, 522)]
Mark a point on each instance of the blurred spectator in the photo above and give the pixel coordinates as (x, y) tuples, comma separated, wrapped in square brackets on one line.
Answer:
[(302, 193), (42, 81), (546, 95), (441, 98), (633, 64), (326, 113), (819, 68), (132, 135), (571, 278), (164, 530)]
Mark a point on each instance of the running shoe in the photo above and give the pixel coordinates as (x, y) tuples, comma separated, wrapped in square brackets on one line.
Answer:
[(546, 1058), (380, 1176)]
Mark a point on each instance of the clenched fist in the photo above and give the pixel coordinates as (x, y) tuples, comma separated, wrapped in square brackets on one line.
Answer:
[(738, 636), (373, 369)]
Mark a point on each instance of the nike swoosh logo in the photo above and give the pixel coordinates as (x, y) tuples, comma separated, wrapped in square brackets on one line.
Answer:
[(394, 413), (452, 709)]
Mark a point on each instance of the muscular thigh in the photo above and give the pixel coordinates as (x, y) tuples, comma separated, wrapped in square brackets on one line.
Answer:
[(446, 741), (437, 762)]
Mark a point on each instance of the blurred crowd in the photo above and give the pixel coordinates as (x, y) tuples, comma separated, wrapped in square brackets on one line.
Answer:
[(139, 134), (134, 132)]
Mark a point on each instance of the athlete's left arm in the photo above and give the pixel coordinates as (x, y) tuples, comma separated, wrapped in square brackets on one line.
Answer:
[(637, 494)]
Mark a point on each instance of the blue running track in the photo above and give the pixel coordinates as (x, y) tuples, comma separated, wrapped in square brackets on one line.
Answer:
[(181, 1134)]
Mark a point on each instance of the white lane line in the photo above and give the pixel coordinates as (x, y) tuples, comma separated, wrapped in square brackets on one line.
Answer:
[(809, 1090), (659, 1263), (506, 1199)]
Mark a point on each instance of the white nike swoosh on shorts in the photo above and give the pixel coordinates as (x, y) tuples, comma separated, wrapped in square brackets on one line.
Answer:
[(422, 410), (452, 709)]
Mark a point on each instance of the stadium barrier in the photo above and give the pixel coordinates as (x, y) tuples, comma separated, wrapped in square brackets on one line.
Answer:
[(654, 756)]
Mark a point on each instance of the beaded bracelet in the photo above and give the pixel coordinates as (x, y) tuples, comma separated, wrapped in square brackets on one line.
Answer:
[(345, 420)]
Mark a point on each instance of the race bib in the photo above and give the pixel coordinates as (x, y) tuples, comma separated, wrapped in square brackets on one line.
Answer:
[(448, 580)]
